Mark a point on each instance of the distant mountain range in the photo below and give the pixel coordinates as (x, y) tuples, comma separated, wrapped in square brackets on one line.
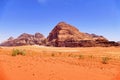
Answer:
[(25, 39), (63, 35)]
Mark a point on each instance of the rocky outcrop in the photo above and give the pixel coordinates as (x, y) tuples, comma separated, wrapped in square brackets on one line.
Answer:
[(25, 39), (10, 38), (65, 35), (118, 42)]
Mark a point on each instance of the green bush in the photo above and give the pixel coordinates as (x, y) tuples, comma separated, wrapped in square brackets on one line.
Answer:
[(16, 52)]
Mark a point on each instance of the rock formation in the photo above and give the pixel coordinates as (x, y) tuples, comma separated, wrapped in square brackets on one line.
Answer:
[(118, 42), (65, 35), (25, 39), (10, 38)]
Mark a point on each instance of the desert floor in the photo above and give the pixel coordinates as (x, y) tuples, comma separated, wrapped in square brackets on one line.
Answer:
[(50, 63)]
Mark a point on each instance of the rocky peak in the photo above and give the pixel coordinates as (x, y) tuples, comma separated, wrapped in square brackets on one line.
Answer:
[(66, 35), (10, 38), (25, 39), (63, 31), (25, 35), (64, 25), (38, 35), (97, 37)]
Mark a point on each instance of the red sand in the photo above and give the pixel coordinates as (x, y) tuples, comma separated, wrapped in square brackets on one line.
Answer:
[(39, 66)]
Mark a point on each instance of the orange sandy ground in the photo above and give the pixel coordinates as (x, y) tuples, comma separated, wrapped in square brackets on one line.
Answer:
[(49, 63)]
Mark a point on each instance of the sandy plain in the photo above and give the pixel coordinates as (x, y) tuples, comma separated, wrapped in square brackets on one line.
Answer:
[(54, 63)]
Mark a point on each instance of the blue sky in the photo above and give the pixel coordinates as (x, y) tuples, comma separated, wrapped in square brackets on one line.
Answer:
[(101, 17)]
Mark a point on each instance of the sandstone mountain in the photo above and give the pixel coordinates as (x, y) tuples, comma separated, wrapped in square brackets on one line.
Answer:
[(65, 35), (10, 38), (25, 39)]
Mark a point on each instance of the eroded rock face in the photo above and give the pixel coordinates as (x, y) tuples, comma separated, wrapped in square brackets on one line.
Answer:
[(25, 39), (118, 42), (64, 31), (10, 38), (65, 35)]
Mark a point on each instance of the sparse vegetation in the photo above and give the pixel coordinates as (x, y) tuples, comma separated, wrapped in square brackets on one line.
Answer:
[(105, 60), (70, 55), (52, 54), (60, 53), (80, 56), (91, 56), (16, 52)]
